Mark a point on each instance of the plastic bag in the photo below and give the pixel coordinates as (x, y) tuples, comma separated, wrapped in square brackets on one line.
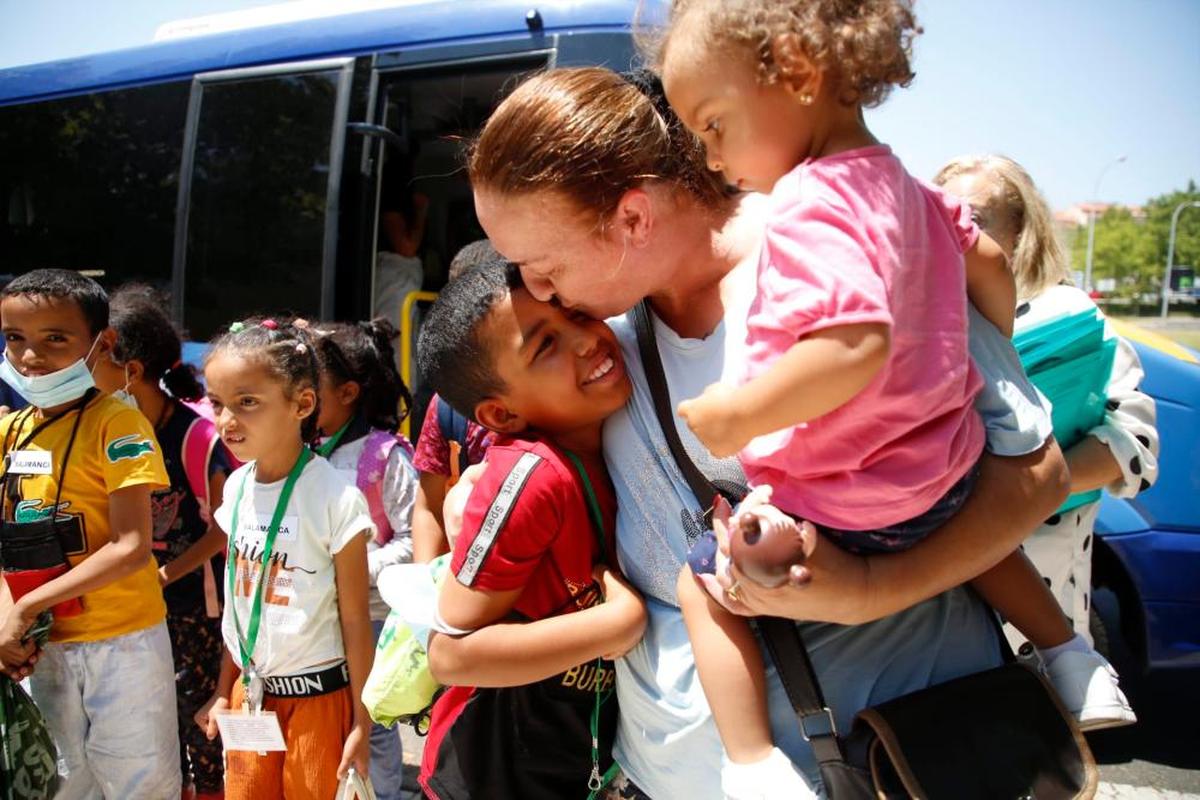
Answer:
[(400, 687), (355, 787), (28, 757)]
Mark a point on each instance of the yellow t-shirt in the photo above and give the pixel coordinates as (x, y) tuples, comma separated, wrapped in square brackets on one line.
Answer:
[(114, 448)]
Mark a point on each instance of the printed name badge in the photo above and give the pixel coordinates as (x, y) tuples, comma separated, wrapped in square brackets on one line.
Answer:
[(241, 730), (289, 526), (30, 462)]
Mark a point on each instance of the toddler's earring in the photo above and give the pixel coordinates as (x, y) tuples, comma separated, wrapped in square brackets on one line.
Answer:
[(805, 99)]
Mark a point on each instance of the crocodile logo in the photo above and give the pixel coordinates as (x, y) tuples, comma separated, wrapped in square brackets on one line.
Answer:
[(128, 447), (30, 511)]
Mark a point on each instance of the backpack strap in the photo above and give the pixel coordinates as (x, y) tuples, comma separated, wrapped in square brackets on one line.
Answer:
[(453, 426)]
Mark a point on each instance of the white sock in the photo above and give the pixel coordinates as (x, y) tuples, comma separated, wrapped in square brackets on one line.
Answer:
[(1076, 644), (773, 777)]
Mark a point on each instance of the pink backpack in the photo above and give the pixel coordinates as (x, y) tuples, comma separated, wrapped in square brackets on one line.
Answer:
[(199, 441), (371, 466)]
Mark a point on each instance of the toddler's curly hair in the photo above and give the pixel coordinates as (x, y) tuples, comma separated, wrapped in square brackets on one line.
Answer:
[(864, 45)]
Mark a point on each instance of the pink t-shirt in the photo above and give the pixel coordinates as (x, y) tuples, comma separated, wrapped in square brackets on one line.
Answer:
[(853, 238)]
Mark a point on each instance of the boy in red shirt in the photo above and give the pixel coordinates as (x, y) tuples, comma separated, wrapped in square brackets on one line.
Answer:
[(536, 533)]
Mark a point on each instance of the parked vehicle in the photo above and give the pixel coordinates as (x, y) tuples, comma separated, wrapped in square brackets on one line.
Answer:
[(1148, 548)]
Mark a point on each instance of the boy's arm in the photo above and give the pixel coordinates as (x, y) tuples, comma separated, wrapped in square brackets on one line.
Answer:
[(468, 609), (991, 286), (818, 374), (126, 552), (520, 653), (350, 575)]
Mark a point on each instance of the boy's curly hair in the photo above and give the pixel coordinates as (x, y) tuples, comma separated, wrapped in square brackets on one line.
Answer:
[(865, 45)]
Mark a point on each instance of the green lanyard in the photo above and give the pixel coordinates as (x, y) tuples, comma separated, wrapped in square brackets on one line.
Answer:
[(246, 643), (331, 443), (596, 782)]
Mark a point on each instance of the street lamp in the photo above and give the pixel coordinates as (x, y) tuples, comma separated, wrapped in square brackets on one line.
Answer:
[(1087, 273), (1166, 286)]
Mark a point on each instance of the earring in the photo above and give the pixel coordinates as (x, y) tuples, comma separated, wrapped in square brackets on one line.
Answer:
[(805, 99)]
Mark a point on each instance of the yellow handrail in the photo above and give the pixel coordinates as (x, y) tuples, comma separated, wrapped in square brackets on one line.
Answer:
[(406, 353)]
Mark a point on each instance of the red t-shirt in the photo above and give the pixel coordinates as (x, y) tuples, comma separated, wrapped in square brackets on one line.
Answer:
[(527, 525)]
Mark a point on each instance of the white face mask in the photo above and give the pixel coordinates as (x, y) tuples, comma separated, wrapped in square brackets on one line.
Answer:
[(54, 389), (124, 395)]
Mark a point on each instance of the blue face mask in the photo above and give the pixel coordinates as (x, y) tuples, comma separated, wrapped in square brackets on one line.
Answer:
[(55, 389)]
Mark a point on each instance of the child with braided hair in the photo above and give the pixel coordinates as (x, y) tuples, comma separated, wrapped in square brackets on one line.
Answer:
[(296, 622)]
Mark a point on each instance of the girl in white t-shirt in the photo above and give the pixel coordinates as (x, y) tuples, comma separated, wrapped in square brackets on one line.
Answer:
[(363, 399), (297, 632)]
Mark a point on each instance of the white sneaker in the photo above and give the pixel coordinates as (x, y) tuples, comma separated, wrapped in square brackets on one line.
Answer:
[(773, 778), (1087, 684)]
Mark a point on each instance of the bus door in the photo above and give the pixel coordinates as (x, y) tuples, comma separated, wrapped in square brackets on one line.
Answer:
[(424, 209), (257, 207), (425, 106)]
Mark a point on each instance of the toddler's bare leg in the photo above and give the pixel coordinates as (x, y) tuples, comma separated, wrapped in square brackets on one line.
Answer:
[(1015, 589), (731, 672)]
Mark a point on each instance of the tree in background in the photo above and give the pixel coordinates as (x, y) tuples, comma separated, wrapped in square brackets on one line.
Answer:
[(1133, 250)]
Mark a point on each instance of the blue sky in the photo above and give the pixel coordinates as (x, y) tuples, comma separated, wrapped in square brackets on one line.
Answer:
[(1063, 86)]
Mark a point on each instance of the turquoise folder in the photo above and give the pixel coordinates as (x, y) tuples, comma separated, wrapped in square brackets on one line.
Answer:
[(1070, 358)]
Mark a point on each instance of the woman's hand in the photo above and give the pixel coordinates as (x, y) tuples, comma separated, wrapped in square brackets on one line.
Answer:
[(831, 585), (356, 752), (206, 716)]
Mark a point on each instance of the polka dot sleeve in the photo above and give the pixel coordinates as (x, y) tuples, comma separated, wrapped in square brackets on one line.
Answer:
[(1129, 425)]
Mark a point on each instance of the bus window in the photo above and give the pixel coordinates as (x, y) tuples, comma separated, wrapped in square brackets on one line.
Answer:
[(256, 238), (89, 183)]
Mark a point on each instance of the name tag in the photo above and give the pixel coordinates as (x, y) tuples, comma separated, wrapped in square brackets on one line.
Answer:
[(259, 733), (289, 527), (30, 462)]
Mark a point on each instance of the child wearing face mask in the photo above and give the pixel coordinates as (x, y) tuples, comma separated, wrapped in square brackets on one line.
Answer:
[(79, 470), (144, 371)]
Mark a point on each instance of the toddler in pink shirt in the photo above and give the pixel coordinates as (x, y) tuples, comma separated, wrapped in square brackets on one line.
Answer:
[(856, 402)]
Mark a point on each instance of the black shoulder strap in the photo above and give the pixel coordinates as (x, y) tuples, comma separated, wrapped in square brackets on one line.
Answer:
[(782, 639), (701, 486)]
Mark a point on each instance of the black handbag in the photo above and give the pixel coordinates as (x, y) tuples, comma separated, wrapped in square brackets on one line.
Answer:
[(1001, 733)]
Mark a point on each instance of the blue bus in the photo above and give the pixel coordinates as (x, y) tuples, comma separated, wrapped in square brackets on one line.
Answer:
[(245, 164), (250, 164)]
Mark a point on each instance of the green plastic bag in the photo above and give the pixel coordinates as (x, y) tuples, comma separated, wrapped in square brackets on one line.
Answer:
[(400, 687), (27, 752)]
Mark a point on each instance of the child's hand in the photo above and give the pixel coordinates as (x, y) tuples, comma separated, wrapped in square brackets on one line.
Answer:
[(618, 591), (714, 419), (16, 651), (356, 752), (206, 717)]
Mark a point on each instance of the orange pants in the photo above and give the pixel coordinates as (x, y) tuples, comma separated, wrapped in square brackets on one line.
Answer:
[(315, 729)]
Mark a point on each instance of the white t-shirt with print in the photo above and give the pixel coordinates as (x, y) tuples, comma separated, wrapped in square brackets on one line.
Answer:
[(299, 631)]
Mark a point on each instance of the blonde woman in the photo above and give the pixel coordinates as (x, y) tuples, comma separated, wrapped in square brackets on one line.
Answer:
[(1121, 453)]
